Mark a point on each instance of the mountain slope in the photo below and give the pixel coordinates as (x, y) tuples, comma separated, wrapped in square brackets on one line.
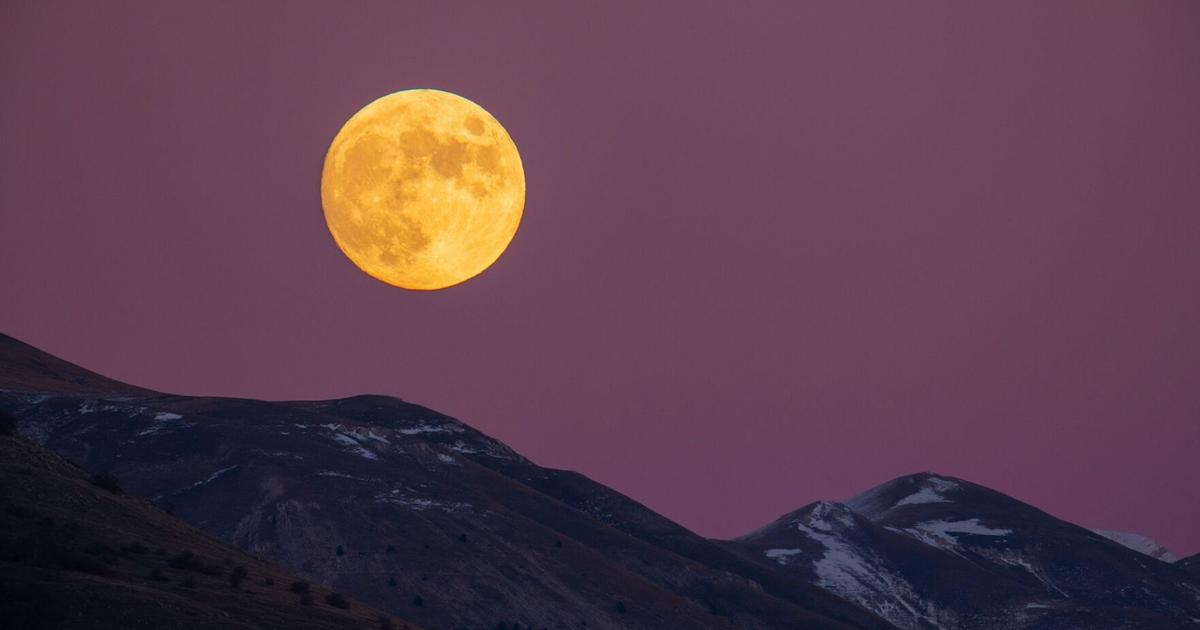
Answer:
[(74, 555), (929, 551), (1191, 564), (407, 509), (1140, 544), (904, 580)]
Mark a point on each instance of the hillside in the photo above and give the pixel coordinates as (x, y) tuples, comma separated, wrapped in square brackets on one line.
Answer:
[(75, 555)]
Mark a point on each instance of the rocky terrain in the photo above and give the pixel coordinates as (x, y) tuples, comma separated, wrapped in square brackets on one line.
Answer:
[(419, 515)]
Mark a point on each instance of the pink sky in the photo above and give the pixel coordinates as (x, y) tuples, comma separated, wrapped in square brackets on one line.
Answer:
[(772, 252)]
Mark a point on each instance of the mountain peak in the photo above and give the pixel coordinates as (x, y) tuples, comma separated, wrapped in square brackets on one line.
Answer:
[(915, 489)]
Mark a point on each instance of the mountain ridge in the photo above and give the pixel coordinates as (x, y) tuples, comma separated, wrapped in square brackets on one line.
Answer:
[(396, 504), (982, 560), (419, 514)]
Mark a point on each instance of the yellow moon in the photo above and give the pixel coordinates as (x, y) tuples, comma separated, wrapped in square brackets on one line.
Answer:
[(423, 189)]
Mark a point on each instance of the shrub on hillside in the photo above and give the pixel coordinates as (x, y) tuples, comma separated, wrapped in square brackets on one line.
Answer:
[(188, 561), (300, 587), (105, 481), (237, 576), (8, 424), (337, 601), (76, 561)]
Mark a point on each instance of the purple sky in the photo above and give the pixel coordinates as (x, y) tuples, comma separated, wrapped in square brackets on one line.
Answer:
[(771, 252)]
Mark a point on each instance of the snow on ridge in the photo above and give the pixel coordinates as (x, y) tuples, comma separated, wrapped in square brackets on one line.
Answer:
[(825, 516), (933, 490), (781, 555), (924, 495), (1139, 543), (941, 485), (432, 428), (164, 416), (930, 488), (945, 534)]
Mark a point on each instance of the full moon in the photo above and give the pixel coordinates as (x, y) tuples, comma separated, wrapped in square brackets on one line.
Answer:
[(422, 189)]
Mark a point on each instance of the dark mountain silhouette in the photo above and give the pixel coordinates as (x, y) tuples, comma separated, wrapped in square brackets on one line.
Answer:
[(405, 509), (415, 513), (932, 551), (75, 552)]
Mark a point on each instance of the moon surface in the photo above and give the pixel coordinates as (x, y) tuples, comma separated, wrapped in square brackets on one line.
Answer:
[(423, 189)]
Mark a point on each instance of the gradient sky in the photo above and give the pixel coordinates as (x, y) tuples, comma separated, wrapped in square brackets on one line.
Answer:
[(771, 253)]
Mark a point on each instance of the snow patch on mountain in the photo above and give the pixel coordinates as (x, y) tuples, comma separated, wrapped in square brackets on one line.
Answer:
[(419, 504), (160, 419), (354, 445), (1013, 558), (945, 534), (93, 406), (1139, 543), (826, 516), (781, 555), (934, 490), (334, 473), (211, 478), (432, 428), (858, 573)]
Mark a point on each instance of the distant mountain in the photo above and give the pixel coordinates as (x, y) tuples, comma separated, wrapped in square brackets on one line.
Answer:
[(406, 509), (74, 555), (931, 551)]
